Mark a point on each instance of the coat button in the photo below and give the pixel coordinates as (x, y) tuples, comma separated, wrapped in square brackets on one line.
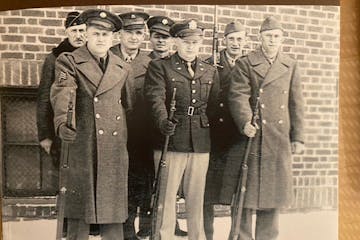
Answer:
[(210, 82), (284, 92), (264, 121), (193, 82), (280, 121), (221, 120), (118, 118), (119, 101), (261, 90), (96, 99), (101, 132), (179, 68), (193, 91), (97, 116), (115, 133), (173, 79), (262, 105), (221, 105), (282, 106), (193, 101)]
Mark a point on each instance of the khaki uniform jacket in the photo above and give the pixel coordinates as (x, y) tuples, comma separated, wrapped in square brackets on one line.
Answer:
[(281, 122), (98, 159), (196, 100)]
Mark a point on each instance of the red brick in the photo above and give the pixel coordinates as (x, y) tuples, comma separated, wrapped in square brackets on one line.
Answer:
[(30, 39), (34, 76), (32, 13), (14, 21), (9, 55), (317, 14), (29, 56), (300, 35), (50, 14), (241, 14), (13, 29), (156, 12), (2, 29), (50, 32), (291, 11), (31, 48), (195, 9), (3, 47), (257, 8), (32, 21), (50, 40), (31, 30), (12, 38), (51, 22), (177, 7), (16, 73), (24, 73)]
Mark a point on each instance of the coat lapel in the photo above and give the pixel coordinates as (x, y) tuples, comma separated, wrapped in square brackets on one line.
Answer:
[(277, 69), (178, 67), (260, 65), (88, 66), (113, 74), (200, 68)]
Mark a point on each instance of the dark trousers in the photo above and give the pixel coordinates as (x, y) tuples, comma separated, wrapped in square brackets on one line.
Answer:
[(209, 221), (79, 230)]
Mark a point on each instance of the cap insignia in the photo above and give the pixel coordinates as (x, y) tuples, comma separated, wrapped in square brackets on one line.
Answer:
[(103, 15), (192, 25), (132, 16), (165, 21)]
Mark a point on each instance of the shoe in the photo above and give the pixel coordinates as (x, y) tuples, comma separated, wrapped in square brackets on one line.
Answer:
[(143, 233), (180, 233)]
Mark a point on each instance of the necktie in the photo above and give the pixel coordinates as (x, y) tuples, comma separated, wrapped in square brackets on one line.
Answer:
[(232, 62), (102, 64), (191, 71)]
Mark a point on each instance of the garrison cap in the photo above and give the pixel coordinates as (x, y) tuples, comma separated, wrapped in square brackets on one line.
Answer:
[(160, 24), (270, 23), (73, 19), (187, 28), (234, 27), (102, 19), (134, 20)]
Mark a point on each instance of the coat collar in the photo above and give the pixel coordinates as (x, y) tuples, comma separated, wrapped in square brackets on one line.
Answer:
[(263, 68), (178, 65), (88, 66)]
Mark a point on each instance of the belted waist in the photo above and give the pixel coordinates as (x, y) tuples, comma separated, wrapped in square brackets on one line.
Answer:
[(190, 111)]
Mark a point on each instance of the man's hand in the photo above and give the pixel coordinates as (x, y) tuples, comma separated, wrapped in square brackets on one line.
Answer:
[(249, 130), (67, 134), (297, 147), (46, 144), (167, 127)]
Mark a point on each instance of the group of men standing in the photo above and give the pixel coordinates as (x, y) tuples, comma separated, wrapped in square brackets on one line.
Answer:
[(121, 98)]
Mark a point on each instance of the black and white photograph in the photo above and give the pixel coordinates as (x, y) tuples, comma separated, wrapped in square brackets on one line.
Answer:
[(169, 122)]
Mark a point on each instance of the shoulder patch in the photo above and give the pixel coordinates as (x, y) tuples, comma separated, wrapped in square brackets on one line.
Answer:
[(62, 77)]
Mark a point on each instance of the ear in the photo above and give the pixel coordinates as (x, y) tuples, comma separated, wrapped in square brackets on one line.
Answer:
[(259, 37)]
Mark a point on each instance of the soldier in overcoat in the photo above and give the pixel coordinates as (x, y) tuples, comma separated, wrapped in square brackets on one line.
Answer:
[(196, 98), (223, 130), (273, 78), (75, 38), (141, 169), (100, 84)]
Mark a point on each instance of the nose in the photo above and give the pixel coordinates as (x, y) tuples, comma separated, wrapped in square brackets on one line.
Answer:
[(78, 34)]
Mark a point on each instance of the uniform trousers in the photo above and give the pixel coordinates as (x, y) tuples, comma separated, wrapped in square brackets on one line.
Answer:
[(192, 167), (78, 229), (267, 224)]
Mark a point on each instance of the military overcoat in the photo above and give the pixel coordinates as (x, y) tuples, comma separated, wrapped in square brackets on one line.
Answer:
[(196, 100), (141, 163), (281, 122), (98, 158), (223, 133)]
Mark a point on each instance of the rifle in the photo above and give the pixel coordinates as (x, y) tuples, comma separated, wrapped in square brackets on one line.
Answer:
[(237, 202), (215, 43), (63, 171), (161, 181)]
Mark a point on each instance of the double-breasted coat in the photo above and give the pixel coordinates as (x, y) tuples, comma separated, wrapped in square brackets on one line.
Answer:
[(281, 122), (196, 100), (44, 111), (98, 158), (141, 163), (223, 133)]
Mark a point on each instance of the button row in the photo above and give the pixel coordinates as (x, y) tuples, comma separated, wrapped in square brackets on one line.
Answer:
[(101, 132)]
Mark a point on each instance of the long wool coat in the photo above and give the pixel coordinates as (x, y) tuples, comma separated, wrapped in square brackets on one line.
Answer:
[(98, 158), (281, 122), (223, 134)]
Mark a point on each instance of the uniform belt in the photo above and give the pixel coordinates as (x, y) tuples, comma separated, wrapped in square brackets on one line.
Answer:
[(190, 111)]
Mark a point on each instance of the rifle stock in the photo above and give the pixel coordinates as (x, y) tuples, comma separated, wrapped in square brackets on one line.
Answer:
[(63, 171), (160, 182), (237, 202)]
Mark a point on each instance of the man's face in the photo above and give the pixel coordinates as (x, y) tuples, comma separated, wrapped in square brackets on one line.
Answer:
[(76, 35), (132, 39), (271, 41), (188, 47), (98, 41), (160, 42), (234, 43)]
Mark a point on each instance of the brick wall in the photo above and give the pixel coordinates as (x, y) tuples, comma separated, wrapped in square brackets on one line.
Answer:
[(312, 37)]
